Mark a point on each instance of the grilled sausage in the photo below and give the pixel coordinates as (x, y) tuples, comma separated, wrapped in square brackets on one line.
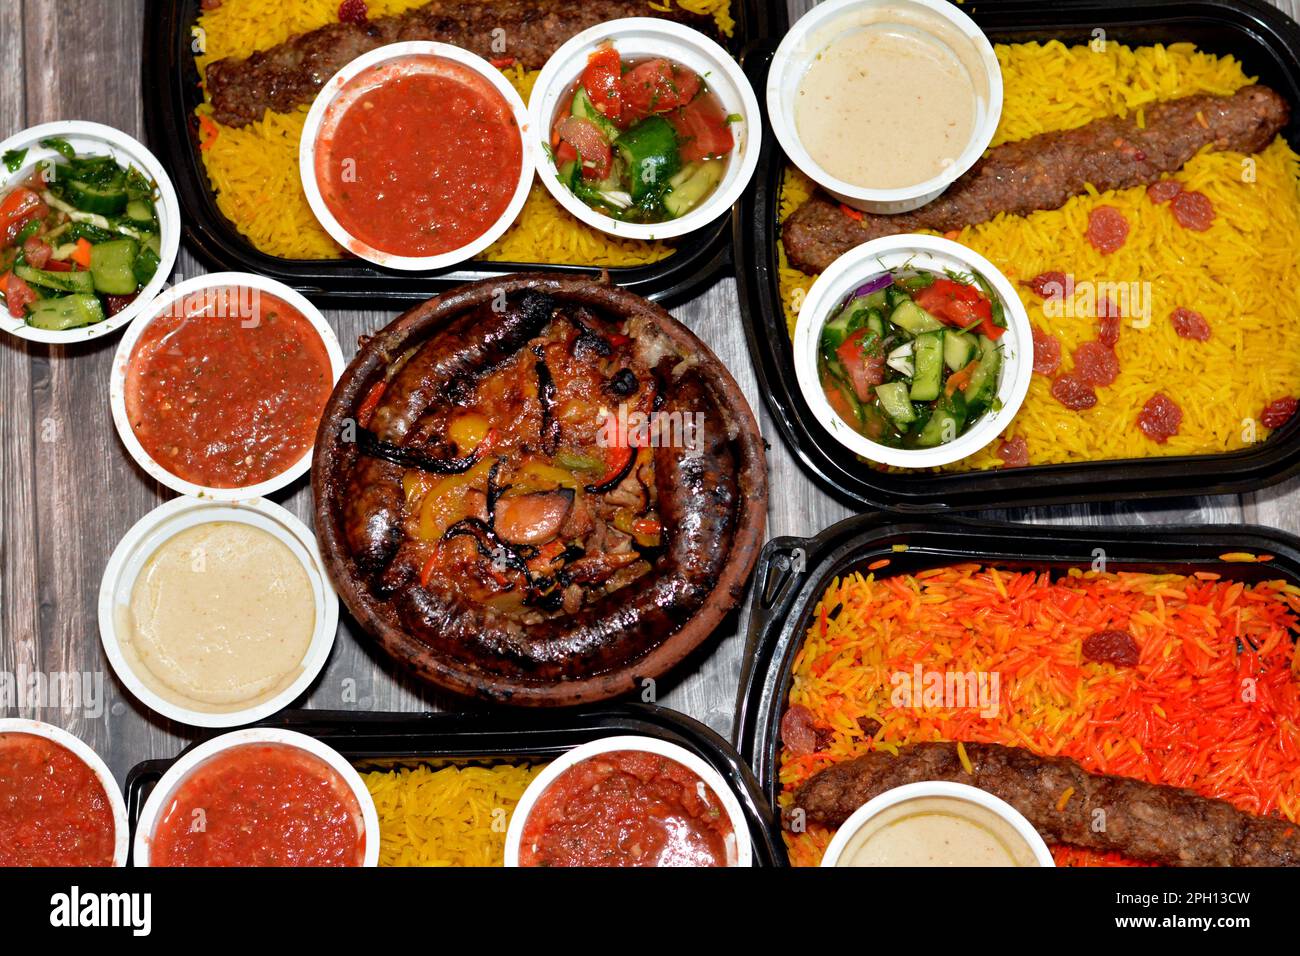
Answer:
[(471, 346), (1044, 171), (290, 74), (1143, 821), (697, 493)]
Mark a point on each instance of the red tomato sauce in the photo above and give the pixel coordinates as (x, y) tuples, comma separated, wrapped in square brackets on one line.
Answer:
[(627, 808), (261, 805), (423, 163), (228, 394), (53, 809)]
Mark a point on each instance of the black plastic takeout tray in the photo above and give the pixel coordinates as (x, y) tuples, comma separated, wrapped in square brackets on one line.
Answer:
[(1263, 38), (793, 573), (170, 83), (378, 741)]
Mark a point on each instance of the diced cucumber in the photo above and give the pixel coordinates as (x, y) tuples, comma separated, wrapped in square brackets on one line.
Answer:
[(57, 281), (895, 296), (139, 211), (584, 108), (875, 300), (910, 317), (650, 151), (927, 356), (894, 400), (983, 385), (113, 266), (104, 199), (152, 241), (682, 198), (945, 423), (836, 331), (875, 323), (68, 312), (959, 348)]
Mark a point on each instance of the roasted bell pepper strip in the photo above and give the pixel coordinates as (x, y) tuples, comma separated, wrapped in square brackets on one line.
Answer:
[(370, 403)]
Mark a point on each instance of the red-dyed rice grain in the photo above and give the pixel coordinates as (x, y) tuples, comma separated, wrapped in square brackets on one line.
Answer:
[(1177, 718)]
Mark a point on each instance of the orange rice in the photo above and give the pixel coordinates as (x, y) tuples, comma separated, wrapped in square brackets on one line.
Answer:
[(1213, 704)]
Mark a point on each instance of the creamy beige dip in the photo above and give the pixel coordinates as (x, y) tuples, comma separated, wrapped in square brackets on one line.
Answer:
[(886, 106), (937, 831), (220, 618)]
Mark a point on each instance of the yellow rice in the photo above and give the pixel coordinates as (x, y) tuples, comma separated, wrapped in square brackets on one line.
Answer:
[(452, 816), (254, 170), (1242, 274)]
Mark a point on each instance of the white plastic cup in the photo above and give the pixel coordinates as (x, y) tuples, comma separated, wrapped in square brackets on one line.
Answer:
[(739, 851), (848, 273), (385, 63), (180, 771), (138, 546), (818, 29), (96, 139), (643, 38), (37, 728), (173, 296)]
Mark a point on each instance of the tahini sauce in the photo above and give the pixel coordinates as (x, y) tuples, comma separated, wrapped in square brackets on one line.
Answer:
[(220, 617), (937, 831), (886, 106)]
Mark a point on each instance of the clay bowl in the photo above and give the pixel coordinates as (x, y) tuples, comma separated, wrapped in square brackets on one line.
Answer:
[(334, 457)]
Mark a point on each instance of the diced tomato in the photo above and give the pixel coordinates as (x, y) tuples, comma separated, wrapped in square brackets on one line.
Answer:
[(17, 294), (657, 86), (586, 137), (58, 265), (959, 305), (565, 154), (702, 129), (36, 252), (603, 80), (114, 304), (865, 367), (20, 206)]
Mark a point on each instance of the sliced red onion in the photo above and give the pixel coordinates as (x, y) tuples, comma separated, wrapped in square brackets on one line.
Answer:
[(882, 281)]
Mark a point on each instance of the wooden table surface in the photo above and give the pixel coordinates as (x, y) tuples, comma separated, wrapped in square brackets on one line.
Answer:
[(69, 491)]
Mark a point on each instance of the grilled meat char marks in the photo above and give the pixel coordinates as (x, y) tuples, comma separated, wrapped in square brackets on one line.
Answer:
[(1143, 821), (692, 484), (290, 74), (474, 344), (1045, 171)]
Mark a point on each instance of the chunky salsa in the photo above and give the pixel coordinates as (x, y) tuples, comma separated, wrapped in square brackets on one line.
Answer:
[(79, 238), (627, 808), (53, 808), (226, 388), (261, 805), (911, 359), (641, 140), (422, 163)]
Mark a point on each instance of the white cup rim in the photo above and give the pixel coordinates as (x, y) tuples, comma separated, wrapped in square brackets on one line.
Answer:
[(936, 788), (193, 758), (121, 361), (881, 255), (124, 148), (637, 742), (316, 116), (82, 751), (783, 126), (266, 516), (558, 75)]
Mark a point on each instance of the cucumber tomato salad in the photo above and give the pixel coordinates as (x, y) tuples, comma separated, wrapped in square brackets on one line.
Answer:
[(641, 141), (911, 359), (79, 238)]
